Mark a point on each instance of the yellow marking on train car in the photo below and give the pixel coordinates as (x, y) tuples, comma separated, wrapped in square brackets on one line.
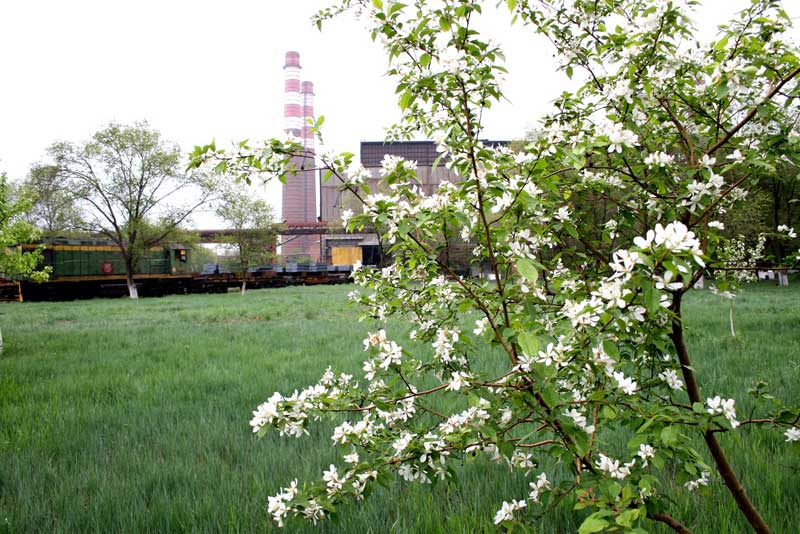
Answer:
[(346, 255)]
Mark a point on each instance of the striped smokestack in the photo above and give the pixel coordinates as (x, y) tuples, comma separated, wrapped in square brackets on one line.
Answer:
[(299, 193), (307, 93), (293, 100)]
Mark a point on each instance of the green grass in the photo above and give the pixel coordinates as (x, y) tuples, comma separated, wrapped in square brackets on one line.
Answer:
[(120, 416)]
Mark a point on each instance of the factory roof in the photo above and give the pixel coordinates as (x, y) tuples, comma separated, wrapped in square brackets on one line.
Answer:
[(423, 152)]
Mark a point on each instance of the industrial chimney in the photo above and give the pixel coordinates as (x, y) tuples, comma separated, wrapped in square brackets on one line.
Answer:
[(299, 191), (307, 94)]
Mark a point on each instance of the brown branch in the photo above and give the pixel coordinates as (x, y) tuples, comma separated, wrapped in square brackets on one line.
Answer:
[(537, 444), (673, 523), (752, 112), (685, 137), (719, 199)]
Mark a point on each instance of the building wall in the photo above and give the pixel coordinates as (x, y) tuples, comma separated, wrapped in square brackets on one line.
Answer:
[(333, 201)]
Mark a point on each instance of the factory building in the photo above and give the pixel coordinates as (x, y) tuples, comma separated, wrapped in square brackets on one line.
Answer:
[(333, 201), (299, 193)]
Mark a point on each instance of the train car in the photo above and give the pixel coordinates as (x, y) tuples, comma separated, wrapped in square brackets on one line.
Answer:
[(85, 268)]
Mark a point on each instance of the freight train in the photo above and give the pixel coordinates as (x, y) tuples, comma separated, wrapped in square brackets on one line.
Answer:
[(87, 268)]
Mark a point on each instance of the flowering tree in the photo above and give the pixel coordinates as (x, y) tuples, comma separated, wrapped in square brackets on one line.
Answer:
[(584, 305), (15, 231)]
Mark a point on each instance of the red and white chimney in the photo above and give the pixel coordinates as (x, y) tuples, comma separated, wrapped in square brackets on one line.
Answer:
[(299, 196), (293, 100), (307, 94)]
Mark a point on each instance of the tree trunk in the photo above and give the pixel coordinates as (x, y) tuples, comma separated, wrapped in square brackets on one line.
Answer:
[(244, 284), (132, 291), (724, 468), (1, 342)]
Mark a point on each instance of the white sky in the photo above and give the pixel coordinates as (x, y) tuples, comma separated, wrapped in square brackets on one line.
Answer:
[(199, 70)]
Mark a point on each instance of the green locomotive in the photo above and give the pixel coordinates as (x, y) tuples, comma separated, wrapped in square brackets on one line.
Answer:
[(83, 268)]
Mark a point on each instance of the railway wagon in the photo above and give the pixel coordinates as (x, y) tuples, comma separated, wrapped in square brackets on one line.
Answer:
[(85, 268), (88, 268)]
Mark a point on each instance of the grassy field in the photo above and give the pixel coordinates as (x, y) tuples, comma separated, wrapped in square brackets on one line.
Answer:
[(120, 416)]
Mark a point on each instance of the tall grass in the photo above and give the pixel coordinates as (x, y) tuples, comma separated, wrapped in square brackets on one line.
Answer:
[(122, 416)]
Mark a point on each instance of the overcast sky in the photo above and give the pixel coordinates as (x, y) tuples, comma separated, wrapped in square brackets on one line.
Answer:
[(199, 70)]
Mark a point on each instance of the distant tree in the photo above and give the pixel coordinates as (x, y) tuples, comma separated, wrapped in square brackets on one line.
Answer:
[(54, 210), (200, 256), (14, 262), (250, 223), (783, 208), (128, 178)]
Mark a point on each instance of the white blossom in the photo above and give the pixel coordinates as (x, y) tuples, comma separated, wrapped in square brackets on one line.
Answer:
[(541, 484), (627, 385), (705, 161), (790, 232), (792, 434), (736, 156), (480, 326), (346, 216), (702, 481), (458, 380), (506, 511), (658, 159), (645, 452), (718, 405), (613, 468), (671, 378)]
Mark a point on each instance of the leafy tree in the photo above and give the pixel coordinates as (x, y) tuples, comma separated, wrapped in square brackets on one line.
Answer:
[(14, 231), (783, 188), (131, 186), (250, 228), (54, 210), (586, 318)]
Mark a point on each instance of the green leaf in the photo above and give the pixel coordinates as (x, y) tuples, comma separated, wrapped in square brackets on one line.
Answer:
[(670, 435), (592, 524), (530, 344), (526, 269), (627, 517), (506, 448), (551, 397), (652, 298), (608, 412), (610, 348), (406, 99)]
